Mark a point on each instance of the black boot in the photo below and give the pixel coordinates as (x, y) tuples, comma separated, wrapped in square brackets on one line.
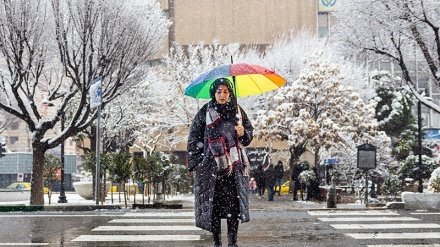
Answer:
[(217, 237), (232, 239)]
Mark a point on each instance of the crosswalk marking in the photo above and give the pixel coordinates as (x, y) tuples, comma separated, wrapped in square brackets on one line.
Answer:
[(382, 219), (397, 235), (383, 226), (405, 245), (23, 244), (426, 213), (148, 225), (152, 221), (402, 229), (161, 214), (146, 228), (135, 238), (338, 213)]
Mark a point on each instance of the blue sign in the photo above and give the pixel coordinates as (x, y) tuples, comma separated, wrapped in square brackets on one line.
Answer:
[(328, 3), (95, 93), (432, 134), (331, 161)]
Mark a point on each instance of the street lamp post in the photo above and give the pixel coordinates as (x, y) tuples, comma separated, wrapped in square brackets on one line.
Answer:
[(62, 197), (419, 122), (366, 160)]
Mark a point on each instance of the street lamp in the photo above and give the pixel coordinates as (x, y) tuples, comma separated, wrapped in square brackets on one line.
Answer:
[(419, 123), (419, 139), (62, 197)]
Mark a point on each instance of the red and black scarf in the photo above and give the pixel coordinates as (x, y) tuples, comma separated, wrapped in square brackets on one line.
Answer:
[(224, 145)]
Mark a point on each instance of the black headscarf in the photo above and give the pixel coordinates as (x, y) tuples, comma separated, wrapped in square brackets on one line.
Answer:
[(227, 111)]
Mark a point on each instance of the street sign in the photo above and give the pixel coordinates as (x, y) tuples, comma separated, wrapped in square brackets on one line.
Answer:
[(331, 161), (366, 158), (95, 93), (20, 177)]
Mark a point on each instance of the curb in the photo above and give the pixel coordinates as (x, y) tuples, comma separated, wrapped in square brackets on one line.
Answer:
[(22, 208), (33, 208), (157, 206)]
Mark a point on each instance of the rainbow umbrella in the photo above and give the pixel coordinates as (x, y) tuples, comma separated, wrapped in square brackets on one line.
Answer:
[(247, 80)]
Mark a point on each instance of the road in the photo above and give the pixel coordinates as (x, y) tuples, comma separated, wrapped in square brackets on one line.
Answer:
[(176, 228)]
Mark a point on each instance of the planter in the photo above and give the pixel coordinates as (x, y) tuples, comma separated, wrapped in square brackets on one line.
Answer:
[(85, 189), (421, 200), (10, 195)]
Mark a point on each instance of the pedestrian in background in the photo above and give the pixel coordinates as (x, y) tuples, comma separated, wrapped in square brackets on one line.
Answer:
[(215, 151), (279, 170), (269, 179), (252, 186), (259, 179)]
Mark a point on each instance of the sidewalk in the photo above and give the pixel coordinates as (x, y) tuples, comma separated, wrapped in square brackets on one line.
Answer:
[(285, 202), (77, 203)]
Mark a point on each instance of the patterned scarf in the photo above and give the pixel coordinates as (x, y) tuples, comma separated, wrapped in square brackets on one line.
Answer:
[(226, 149)]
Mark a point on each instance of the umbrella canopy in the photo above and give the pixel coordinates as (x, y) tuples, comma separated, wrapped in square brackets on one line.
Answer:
[(248, 79)]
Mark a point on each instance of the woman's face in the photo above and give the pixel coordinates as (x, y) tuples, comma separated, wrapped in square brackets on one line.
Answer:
[(222, 94)]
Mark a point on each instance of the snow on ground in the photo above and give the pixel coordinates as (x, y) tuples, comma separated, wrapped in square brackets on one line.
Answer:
[(74, 199)]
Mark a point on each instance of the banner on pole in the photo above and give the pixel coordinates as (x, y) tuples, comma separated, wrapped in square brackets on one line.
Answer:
[(95, 93)]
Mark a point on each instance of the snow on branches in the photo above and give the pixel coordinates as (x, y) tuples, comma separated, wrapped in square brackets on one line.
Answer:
[(316, 108)]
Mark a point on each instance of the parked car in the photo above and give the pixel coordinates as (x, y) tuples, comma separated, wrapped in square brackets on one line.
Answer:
[(23, 186), (20, 186)]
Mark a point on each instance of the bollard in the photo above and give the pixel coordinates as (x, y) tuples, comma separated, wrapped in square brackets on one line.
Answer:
[(331, 196), (158, 194)]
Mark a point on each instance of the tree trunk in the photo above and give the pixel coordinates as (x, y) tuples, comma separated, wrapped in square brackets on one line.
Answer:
[(295, 153), (316, 161), (37, 193)]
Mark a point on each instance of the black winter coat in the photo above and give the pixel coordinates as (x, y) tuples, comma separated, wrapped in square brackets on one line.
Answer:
[(201, 159), (270, 176)]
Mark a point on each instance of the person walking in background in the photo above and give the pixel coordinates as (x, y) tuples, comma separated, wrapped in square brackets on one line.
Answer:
[(252, 185), (279, 170), (259, 179), (269, 179), (215, 152)]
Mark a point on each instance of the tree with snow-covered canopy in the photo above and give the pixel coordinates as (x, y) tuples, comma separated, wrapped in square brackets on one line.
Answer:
[(53, 49), (398, 32), (315, 110), (394, 112)]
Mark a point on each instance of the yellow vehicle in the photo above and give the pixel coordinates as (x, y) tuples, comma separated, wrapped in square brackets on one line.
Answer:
[(285, 188), (20, 186), (23, 186)]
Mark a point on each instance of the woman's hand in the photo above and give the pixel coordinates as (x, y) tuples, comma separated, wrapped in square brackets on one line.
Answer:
[(240, 130)]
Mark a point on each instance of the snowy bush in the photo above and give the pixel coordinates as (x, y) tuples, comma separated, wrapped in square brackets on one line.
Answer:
[(434, 181), (307, 177)]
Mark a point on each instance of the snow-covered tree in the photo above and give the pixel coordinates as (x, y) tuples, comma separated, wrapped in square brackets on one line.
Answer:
[(54, 49), (398, 32), (347, 151), (286, 56), (315, 111)]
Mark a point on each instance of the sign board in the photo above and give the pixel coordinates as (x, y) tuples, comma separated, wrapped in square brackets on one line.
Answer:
[(95, 93), (432, 134), (331, 161), (366, 158), (20, 177), (327, 5)]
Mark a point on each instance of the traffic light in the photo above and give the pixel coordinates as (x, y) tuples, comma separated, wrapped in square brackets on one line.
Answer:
[(2, 149)]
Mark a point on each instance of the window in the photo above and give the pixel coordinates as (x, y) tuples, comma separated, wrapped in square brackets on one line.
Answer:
[(13, 140), (14, 126)]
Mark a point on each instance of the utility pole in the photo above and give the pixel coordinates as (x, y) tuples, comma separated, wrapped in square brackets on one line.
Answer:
[(62, 197)]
